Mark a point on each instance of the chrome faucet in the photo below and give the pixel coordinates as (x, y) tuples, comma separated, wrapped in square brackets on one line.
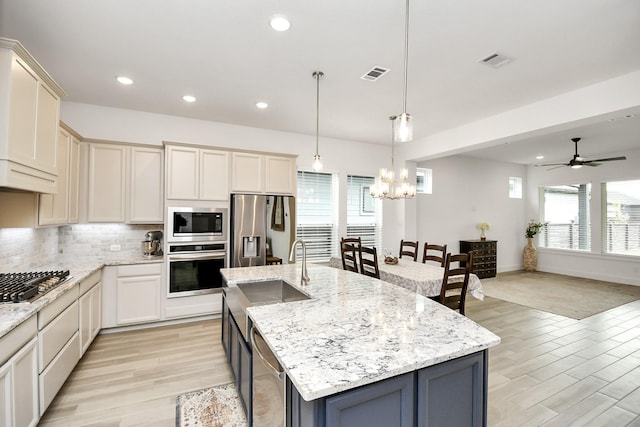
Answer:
[(292, 257)]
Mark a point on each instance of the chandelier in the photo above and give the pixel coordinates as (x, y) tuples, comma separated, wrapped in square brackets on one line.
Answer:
[(386, 186)]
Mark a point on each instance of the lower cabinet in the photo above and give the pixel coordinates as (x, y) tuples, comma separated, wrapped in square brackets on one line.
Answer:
[(451, 394), (19, 387), (239, 357), (131, 294), (58, 345), (90, 309)]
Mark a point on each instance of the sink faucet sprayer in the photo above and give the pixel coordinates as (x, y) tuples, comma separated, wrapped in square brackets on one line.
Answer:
[(292, 257)]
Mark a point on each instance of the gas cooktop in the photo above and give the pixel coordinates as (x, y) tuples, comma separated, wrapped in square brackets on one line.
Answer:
[(29, 286)]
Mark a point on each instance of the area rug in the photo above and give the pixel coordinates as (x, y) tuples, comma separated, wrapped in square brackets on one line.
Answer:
[(564, 295), (217, 406)]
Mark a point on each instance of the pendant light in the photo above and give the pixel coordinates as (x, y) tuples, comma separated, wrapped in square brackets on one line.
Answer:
[(386, 186), (317, 163), (403, 128)]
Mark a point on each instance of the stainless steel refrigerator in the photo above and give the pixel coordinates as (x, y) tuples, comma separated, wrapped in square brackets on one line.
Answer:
[(262, 229)]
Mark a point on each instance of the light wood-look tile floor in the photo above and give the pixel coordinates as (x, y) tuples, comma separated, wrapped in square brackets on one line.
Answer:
[(549, 370)]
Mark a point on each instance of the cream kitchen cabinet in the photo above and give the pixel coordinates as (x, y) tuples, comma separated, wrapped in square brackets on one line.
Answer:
[(58, 345), (280, 175), (197, 173), (131, 294), (19, 376), (247, 173), (146, 195), (107, 183), (29, 114), (125, 184), (62, 207), (263, 173), (89, 310)]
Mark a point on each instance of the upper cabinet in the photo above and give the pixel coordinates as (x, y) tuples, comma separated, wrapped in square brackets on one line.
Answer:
[(62, 207), (263, 173), (197, 173), (247, 173), (280, 175), (146, 195), (125, 184), (29, 114)]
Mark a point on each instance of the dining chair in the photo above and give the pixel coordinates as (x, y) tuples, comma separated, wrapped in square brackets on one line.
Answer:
[(350, 253), (453, 294), (369, 261), (409, 248), (440, 255)]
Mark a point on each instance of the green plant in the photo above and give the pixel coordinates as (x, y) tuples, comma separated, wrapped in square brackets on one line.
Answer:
[(534, 228)]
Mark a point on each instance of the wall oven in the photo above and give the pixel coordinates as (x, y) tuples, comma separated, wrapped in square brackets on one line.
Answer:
[(194, 268), (187, 224)]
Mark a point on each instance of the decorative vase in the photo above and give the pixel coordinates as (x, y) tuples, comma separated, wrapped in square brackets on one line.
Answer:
[(530, 256), (483, 236)]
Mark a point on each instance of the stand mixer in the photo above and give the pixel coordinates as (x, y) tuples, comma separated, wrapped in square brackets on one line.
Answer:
[(152, 243)]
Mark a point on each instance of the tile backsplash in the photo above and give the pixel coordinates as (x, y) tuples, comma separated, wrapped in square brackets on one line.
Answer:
[(25, 248)]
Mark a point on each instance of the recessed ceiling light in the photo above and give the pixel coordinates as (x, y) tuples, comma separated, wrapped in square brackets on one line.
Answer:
[(539, 157), (189, 98), (279, 23), (124, 80), (262, 105)]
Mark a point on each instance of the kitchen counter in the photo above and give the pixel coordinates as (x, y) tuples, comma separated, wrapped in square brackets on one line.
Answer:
[(13, 314), (355, 330)]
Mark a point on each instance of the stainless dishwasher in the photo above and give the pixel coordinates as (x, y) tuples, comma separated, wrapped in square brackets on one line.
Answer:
[(268, 385)]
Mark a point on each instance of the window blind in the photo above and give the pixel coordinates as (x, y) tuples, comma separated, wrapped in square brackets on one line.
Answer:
[(315, 214), (622, 229), (566, 210)]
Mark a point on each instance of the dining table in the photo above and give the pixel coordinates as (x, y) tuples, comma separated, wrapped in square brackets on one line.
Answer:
[(423, 278)]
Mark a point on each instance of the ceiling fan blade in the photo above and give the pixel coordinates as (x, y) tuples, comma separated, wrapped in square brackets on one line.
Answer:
[(556, 167), (553, 164), (591, 164), (610, 159)]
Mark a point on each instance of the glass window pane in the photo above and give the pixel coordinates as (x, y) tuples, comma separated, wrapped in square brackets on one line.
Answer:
[(515, 187), (566, 209), (622, 231), (423, 180), (363, 211)]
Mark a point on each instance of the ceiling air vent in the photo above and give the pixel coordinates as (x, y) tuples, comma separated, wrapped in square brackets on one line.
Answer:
[(375, 73), (495, 60)]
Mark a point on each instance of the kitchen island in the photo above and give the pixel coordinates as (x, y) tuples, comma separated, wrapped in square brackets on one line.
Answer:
[(359, 346)]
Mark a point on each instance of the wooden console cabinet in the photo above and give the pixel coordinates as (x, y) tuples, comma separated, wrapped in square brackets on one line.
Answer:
[(484, 256)]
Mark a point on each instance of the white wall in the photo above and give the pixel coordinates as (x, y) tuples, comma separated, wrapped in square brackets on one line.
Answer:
[(594, 264), (467, 191)]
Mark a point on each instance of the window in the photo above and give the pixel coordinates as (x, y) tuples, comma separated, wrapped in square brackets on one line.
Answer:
[(363, 218), (423, 180), (515, 187), (566, 209), (316, 210), (622, 231)]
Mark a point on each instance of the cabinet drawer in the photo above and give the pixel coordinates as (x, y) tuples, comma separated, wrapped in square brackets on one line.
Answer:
[(50, 312), (56, 334), (89, 282), (14, 340), (52, 378), (153, 269)]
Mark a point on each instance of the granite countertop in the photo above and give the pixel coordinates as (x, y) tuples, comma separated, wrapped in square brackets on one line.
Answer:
[(355, 330), (13, 314)]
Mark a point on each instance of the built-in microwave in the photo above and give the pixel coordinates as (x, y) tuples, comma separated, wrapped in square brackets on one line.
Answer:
[(185, 224)]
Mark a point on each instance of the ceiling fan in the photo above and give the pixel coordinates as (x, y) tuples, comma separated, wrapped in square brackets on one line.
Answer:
[(577, 161)]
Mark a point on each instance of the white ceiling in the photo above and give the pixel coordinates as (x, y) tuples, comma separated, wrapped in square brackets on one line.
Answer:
[(225, 54)]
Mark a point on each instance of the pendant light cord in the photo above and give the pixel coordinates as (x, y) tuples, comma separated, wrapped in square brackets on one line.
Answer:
[(406, 57), (317, 75)]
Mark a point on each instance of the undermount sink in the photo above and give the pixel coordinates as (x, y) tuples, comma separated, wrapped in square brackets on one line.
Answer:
[(270, 292)]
